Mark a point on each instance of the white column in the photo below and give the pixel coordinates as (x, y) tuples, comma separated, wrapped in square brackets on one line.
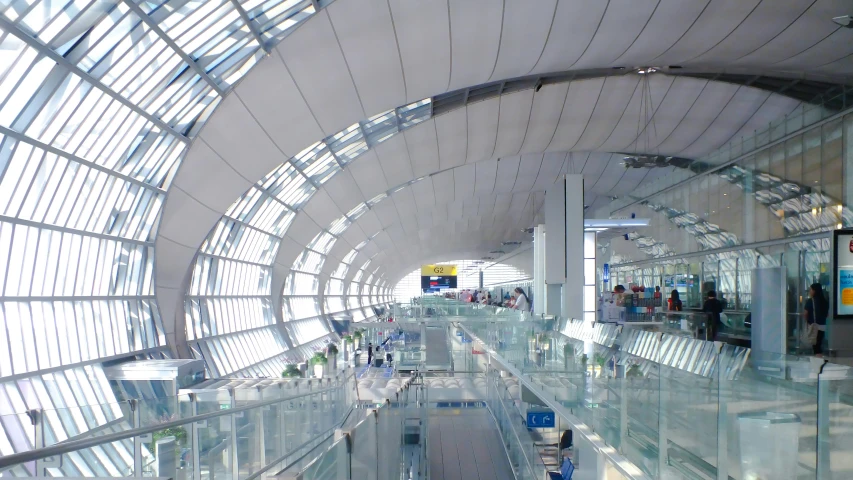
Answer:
[(574, 252), (539, 300), (555, 250), (590, 289)]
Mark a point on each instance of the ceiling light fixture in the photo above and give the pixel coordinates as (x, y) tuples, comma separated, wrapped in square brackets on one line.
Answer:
[(646, 70), (845, 21)]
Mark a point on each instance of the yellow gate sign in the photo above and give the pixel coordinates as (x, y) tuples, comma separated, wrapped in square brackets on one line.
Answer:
[(438, 270)]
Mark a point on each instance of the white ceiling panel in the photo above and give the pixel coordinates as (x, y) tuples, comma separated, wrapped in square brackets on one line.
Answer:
[(424, 193), (303, 229), (671, 112), (608, 111), (633, 178), (620, 27), (594, 167), (369, 222), (580, 102), (386, 212), (486, 174), (279, 107), (366, 35), (444, 186), (507, 172), (288, 250), (423, 148), (344, 191), (464, 178), (575, 162), (671, 20), (715, 96), (719, 19), (315, 62), (394, 157), (474, 50), (547, 107), (809, 29), (528, 170), (549, 172), (367, 172), (482, 129), (515, 114), (612, 175), (776, 107), (423, 35), (172, 274), (731, 119), (219, 187), (523, 35), (322, 209), (452, 130), (383, 241), (354, 235), (187, 221), (638, 116), (766, 22), (226, 135), (574, 26), (834, 47)]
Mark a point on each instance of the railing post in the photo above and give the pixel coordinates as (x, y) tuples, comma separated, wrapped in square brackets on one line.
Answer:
[(136, 419), (194, 437), (37, 421), (722, 417), (232, 418)]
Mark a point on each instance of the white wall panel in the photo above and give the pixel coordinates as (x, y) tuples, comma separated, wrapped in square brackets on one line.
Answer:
[(482, 129), (515, 113), (315, 61), (575, 24), (452, 131), (474, 50), (186, 221), (547, 107), (423, 36), (523, 37), (303, 229), (231, 132), (220, 184), (344, 191), (367, 173), (423, 148), (278, 106), (322, 209), (365, 33), (393, 155), (580, 103)]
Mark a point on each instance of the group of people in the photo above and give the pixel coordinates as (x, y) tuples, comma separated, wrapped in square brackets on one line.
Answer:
[(517, 300)]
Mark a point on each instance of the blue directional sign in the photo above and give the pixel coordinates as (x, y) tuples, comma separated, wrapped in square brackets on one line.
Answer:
[(540, 419), (605, 276)]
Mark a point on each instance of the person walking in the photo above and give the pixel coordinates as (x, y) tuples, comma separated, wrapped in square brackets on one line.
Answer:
[(370, 354), (816, 311), (713, 308)]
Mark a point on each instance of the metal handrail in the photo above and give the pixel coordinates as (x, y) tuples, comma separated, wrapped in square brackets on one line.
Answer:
[(74, 445)]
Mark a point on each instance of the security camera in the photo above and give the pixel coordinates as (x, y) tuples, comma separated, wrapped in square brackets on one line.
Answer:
[(845, 21)]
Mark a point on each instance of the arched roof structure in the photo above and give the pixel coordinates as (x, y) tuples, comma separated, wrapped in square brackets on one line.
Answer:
[(157, 144)]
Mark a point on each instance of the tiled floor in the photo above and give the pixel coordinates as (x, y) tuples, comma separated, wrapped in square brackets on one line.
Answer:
[(465, 444)]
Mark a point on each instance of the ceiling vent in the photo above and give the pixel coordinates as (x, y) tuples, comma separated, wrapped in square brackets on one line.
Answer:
[(510, 243), (653, 161)]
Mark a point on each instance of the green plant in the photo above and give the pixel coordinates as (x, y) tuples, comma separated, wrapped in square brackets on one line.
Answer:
[(319, 359), (332, 349), (568, 350), (291, 371), (356, 334), (634, 371), (584, 358), (599, 359), (348, 339)]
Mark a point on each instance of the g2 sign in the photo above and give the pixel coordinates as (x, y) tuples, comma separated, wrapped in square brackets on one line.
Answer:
[(438, 270)]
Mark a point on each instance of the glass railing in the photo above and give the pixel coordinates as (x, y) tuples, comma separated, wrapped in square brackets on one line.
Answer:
[(680, 407), (385, 444), (202, 434)]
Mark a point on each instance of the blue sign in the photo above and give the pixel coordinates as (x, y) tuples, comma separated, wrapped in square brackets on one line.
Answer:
[(605, 277), (540, 419)]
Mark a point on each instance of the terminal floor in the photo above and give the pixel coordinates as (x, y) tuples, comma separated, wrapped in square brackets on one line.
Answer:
[(465, 444)]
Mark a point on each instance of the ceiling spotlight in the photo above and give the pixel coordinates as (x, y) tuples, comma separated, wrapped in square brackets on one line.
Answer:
[(646, 70), (845, 21)]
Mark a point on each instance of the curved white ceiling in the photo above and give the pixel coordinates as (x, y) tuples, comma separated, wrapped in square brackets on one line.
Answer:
[(355, 59)]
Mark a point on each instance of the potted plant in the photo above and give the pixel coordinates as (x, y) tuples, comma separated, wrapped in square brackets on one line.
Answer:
[(319, 361), (356, 336), (291, 371), (332, 355), (634, 372)]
